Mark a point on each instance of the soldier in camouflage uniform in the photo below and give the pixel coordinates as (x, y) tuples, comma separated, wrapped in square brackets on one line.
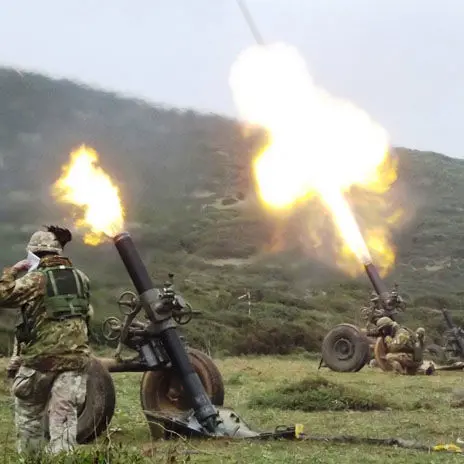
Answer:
[(404, 347), (372, 313), (53, 301)]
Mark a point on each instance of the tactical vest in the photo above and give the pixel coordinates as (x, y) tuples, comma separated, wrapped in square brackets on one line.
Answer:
[(66, 293)]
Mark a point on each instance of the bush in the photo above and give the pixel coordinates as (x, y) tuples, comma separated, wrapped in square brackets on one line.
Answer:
[(275, 337), (435, 301), (318, 394)]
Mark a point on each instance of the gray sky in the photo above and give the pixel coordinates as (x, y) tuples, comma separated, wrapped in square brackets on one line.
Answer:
[(401, 60)]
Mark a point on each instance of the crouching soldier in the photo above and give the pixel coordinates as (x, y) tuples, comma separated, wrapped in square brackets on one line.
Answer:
[(404, 348), (53, 302)]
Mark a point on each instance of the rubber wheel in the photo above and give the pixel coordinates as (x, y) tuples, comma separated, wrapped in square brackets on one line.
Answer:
[(370, 354), (162, 390), (366, 359), (435, 353), (214, 375), (345, 349), (96, 413), (380, 350)]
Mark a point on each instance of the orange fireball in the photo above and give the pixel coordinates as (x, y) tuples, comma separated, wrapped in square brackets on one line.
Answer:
[(320, 146), (84, 184)]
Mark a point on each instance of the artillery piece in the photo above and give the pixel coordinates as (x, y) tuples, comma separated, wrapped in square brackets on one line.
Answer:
[(452, 349), (348, 348), (160, 386), (181, 390)]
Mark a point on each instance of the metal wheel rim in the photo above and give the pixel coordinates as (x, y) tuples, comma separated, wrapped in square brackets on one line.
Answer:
[(344, 349)]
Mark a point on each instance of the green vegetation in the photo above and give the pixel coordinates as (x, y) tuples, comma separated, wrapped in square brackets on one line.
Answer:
[(418, 409), (187, 186), (319, 394)]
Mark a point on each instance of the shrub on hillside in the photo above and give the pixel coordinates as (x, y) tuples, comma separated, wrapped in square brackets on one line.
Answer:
[(318, 394), (436, 302), (274, 337)]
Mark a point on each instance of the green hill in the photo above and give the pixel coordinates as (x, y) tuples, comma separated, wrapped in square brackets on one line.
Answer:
[(186, 182)]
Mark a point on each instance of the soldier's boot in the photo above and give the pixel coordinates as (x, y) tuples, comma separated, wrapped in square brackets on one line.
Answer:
[(397, 367), (430, 369), (426, 369)]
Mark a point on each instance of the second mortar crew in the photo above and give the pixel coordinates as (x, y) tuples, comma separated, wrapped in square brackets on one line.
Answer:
[(52, 334), (404, 347)]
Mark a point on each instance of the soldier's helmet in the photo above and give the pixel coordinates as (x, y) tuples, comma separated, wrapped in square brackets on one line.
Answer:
[(44, 241), (420, 332), (384, 322)]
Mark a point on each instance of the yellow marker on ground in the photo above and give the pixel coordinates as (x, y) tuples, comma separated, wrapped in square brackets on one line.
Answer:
[(450, 447), (299, 430)]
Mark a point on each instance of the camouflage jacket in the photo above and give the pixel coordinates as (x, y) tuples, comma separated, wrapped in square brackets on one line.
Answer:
[(57, 345), (404, 341)]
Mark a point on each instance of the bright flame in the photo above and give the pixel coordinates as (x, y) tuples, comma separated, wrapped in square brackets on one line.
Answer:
[(84, 184), (319, 145)]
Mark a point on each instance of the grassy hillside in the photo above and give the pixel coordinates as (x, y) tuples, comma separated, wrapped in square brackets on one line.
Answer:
[(187, 185)]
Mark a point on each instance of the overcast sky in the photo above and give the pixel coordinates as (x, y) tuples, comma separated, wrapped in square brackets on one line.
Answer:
[(401, 60)]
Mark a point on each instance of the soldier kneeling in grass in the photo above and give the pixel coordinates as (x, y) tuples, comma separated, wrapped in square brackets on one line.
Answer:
[(404, 348)]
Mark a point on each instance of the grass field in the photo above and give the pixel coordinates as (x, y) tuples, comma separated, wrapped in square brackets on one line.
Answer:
[(414, 408)]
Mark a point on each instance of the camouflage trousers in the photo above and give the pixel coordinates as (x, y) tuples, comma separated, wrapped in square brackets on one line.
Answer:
[(402, 363), (38, 395)]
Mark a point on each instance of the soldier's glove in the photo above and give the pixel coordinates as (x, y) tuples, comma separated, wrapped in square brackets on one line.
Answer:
[(22, 265)]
